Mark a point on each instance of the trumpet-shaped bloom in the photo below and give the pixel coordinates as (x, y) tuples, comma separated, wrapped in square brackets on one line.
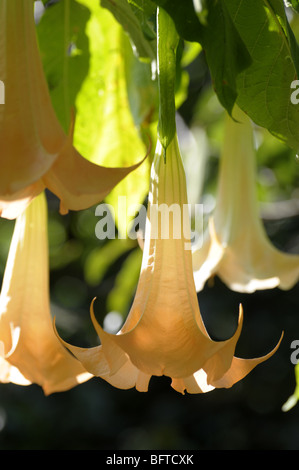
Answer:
[(35, 152), (164, 333), (236, 246), (29, 349)]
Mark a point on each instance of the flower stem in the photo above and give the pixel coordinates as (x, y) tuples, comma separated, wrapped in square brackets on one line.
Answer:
[(166, 63)]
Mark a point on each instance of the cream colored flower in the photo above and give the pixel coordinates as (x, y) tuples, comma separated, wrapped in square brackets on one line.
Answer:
[(236, 247), (29, 349), (164, 333), (34, 151)]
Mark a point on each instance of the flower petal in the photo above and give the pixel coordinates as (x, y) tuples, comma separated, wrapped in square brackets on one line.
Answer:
[(117, 369), (207, 258), (9, 373), (247, 261), (164, 333), (12, 206), (26, 331), (30, 134), (199, 382), (78, 183), (241, 367), (34, 150)]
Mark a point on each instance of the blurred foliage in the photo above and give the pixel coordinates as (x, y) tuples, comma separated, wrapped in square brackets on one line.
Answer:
[(94, 415)]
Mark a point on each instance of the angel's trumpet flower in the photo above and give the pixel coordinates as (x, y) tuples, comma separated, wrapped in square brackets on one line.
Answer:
[(236, 246), (164, 333), (29, 349), (35, 152)]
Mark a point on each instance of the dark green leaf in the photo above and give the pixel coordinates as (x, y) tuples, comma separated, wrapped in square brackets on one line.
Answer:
[(264, 88), (225, 51)]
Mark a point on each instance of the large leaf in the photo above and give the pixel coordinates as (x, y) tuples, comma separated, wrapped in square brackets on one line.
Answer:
[(105, 131), (264, 88), (252, 55), (225, 51), (135, 20), (64, 50), (87, 58)]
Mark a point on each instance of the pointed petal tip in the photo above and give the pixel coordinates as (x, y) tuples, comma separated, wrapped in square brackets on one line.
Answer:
[(92, 314), (278, 344), (241, 313), (80, 183)]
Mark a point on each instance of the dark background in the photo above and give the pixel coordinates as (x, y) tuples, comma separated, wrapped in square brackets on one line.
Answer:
[(96, 416)]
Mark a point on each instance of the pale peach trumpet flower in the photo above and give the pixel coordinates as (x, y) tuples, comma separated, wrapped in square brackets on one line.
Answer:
[(35, 152), (164, 333), (29, 349), (235, 245)]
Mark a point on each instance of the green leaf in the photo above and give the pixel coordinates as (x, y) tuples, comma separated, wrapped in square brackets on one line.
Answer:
[(64, 50), (142, 89), (264, 88), (184, 16), (294, 4), (135, 20), (120, 296), (252, 55), (105, 130), (101, 258), (88, 59), (225, 51)]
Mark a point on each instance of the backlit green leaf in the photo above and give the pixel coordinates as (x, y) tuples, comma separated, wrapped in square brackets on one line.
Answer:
[(105, 131)]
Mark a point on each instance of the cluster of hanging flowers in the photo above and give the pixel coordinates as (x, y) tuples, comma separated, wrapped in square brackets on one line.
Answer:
[(164, 333)]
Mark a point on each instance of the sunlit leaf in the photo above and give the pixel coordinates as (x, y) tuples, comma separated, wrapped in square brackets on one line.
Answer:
[(105, 129), (65, 53)]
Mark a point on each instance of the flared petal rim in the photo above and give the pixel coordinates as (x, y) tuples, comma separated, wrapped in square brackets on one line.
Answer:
[(267, 268), (79, 183), (240, 368), (110, 364)]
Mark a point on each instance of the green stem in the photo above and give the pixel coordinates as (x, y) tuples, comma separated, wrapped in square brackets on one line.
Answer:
[(166, 63)]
